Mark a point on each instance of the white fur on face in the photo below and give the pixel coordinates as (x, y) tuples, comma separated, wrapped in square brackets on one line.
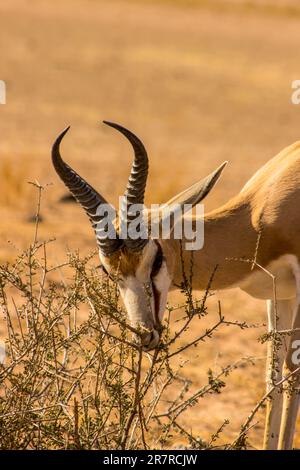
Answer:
[(144, 298), (162, 282), (138, 301)]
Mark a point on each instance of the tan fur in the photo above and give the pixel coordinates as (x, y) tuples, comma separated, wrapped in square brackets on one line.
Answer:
[(262, 222), (124, 262), (251, 240)]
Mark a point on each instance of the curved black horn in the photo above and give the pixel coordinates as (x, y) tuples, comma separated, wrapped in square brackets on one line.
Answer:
[(87, 197), (135, 190)]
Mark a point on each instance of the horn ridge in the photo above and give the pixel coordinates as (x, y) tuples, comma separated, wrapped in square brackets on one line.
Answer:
[(84, 193), (135, 190)]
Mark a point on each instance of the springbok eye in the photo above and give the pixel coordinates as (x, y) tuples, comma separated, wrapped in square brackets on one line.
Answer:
[(157, 262)]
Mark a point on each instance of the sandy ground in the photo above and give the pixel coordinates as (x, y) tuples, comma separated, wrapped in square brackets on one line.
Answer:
[(198, 84)]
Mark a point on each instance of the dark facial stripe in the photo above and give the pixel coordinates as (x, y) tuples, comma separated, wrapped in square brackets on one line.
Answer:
[(156, 295), (157, 262), (155, 270)]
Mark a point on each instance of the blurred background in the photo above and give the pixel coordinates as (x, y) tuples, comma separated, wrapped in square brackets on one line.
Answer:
[(199, 81)]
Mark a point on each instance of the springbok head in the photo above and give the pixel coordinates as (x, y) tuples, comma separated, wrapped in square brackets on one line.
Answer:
[(143, 267)]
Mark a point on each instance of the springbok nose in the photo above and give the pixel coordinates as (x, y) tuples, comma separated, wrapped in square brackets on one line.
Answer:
[(148, 340)]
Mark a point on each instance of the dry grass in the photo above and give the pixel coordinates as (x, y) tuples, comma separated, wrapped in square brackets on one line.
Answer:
[(14, 186), (199, 86), (74, 383), (269, 7)]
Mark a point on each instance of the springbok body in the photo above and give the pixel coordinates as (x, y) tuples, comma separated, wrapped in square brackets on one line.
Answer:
[(253, 240)]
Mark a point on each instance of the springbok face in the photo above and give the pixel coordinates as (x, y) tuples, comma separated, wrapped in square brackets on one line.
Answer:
[(143, 280), (141, 266)]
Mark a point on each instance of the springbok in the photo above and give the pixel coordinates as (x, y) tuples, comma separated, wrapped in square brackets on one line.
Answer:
[(261, 223)]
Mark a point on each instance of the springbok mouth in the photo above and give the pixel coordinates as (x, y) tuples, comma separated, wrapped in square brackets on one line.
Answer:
[(153, 341)]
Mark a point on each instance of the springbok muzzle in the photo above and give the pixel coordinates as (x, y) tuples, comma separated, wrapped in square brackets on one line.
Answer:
[(148, 340)]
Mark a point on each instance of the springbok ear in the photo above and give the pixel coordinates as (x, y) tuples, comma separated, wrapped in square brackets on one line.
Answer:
[(198, 191), (193, 195)]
